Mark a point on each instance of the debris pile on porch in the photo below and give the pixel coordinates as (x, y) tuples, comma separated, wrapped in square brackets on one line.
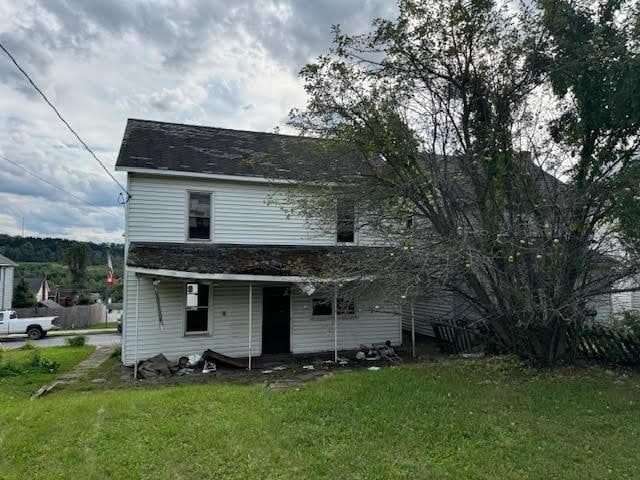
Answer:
[(304, 366)]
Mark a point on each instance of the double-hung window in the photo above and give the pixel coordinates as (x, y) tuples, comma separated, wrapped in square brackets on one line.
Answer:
[(345, 221), (197, 304), (199, 216)]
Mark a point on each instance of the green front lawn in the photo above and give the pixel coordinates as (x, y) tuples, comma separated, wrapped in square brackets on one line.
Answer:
[(23, 386), (451, 420)]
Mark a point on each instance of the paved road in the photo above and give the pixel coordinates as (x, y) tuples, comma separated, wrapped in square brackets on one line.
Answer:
[(105, 339)]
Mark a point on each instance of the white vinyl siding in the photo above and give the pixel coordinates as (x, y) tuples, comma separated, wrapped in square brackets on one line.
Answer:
[(316, 333), (242, 213), (230, 323), (229, 317), (436, 308)]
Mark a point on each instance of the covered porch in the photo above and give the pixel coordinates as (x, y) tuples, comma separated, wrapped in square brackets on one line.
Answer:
[(266, 312)]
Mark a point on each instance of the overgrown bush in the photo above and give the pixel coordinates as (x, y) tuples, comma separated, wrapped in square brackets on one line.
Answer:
[(117, 352), (78, 341), (628, 321), (34, 364)]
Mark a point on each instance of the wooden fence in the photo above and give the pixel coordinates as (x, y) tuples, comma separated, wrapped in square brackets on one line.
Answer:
[(610, 346), (598, 343), (78, 316)]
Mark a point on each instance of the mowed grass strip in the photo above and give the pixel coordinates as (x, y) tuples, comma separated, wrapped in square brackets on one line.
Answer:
[(449, 420)]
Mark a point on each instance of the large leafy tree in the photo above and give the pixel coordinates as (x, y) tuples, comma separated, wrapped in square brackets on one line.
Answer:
[(448, 110), (22, 295), (77, 259)]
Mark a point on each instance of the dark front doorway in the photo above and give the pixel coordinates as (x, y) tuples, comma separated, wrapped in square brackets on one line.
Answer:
[(276, 319)]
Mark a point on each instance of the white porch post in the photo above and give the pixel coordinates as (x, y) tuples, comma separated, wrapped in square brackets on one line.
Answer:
[(335, 324), (413, 330), (250, 320)]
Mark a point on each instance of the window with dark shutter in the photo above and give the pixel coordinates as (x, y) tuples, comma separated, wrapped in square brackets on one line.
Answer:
[(199, 216)]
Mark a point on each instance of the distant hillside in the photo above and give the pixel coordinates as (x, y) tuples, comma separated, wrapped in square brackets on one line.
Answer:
[(31, 249)]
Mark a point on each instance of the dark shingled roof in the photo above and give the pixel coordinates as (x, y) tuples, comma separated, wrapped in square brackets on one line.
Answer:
[(241, 259), (190, 148)]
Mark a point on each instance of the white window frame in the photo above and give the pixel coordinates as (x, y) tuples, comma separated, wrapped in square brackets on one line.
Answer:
[(208, 331), (187, 215)]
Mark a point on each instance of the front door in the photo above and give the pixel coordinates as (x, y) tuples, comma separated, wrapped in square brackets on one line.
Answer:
[(276, 319)]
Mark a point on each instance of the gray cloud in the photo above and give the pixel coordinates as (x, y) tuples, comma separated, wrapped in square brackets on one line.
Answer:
[(214, 62)]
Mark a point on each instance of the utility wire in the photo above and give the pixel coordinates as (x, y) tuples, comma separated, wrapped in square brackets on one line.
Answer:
[(56, 186), (15, 62)]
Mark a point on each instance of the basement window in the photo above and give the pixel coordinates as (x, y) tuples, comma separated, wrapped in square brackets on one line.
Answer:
[(197, 305), (345, 221), (199, 216)]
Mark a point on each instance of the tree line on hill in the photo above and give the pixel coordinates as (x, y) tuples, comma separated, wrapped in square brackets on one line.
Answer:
[(65, 263), (32, 249)]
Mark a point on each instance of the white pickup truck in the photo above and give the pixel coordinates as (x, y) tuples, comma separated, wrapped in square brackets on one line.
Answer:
[(34, 327)]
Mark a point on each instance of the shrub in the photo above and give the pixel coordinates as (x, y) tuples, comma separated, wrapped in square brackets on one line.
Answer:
[(35, 364), (28, 346), (628, 321), (77, 341), (117, 352)]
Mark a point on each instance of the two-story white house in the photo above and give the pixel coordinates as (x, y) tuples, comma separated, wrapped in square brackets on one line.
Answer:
[(212, 257)]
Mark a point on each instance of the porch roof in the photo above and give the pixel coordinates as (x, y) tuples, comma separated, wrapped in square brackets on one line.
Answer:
[(268, 262)]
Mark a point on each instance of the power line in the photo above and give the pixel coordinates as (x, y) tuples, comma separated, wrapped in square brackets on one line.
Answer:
[(56, 186), (15, 62)]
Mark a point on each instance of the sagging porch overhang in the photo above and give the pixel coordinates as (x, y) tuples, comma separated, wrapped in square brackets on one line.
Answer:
[(238, 278), (255, 263)]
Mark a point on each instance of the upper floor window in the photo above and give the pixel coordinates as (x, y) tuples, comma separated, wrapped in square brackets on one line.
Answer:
[(346, 221), (199, 216)]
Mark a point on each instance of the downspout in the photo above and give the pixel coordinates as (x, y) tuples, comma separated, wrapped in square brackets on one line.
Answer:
[(135, 351), (250, 320), (335, 324)]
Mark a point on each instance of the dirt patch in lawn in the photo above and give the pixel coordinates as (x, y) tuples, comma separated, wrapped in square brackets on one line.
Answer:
[(277, 372)]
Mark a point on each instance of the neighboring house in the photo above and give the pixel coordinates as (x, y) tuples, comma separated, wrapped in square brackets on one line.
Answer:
[(48, 304), (211, 257), (39, 287), (68, 297), (7, 268)]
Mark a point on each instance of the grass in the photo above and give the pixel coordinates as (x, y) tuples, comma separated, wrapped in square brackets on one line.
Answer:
[(447, 420), (101, 325), (14, 389)]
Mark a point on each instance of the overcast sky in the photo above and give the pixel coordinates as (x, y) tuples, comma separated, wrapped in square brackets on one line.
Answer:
[(222, 63)]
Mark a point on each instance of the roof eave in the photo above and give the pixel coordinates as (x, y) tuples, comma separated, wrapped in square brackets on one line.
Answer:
[(210, 176)]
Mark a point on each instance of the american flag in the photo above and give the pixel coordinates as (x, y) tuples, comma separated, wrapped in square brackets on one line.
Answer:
[(110, 279)]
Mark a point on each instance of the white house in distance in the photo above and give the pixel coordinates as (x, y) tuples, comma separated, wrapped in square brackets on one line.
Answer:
[(7, 268), (208, 252)]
